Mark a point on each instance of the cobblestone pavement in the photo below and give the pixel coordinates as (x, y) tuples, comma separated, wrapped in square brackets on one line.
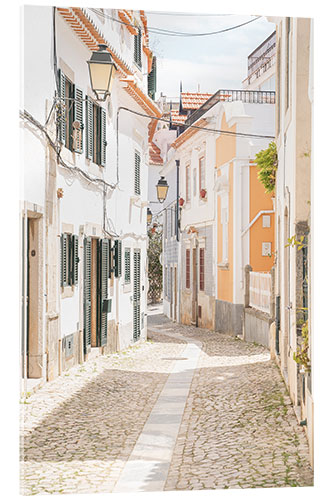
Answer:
[(238, 429), (79, 430)]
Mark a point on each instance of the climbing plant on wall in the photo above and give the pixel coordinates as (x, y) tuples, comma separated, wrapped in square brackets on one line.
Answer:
[(267, 162), (155, 270)]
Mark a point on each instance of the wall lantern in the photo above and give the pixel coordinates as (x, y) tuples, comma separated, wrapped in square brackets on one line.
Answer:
[(149, 215), (162, 189), (102, 71)]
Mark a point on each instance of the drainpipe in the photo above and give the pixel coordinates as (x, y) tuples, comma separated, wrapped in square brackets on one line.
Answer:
[(25, 300), (177, 202), (262, 212)]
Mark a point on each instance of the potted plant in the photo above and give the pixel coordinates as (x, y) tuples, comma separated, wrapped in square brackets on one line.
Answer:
[(203, 193), (181, 202)]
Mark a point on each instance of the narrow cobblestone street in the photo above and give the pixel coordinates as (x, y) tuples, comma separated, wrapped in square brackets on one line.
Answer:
[(226, 421)]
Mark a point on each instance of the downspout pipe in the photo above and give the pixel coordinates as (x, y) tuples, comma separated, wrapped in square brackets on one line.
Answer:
[(177, 201), (259, 214)]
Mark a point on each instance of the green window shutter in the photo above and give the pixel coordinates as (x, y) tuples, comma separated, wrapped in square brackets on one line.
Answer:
[(78, 117), (75, 259), (103, 138), (117, 258), (87, 294), (110, 259), (136, 294), (89, 128), (127, 264), (61, 119), (64, 260), (152, 80), (137, 48), (103, 289), (137, 168)]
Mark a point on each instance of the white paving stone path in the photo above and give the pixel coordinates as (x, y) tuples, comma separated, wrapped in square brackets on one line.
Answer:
[(189, 409), (148, 466)]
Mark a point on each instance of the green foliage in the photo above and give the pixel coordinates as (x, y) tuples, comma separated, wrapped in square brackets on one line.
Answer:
[(293, 242), (155, 271), (267, 162), (301, 356)]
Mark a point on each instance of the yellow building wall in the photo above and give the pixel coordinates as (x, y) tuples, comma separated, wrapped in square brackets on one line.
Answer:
[(259, 200), (225, 152)]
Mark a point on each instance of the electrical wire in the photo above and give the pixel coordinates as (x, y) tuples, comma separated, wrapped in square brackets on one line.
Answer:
[(215, 131), (162, 31), (186, 14), (27, 116)]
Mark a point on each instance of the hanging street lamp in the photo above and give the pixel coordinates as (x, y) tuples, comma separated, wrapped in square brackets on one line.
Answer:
[(162, 189), (149, 216), (102, 71)]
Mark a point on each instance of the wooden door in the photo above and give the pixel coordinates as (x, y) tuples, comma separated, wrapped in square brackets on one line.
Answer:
[(194, 288)]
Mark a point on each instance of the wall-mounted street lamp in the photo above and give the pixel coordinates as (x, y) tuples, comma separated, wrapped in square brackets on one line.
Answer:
[(162, 189), (102, 71), (149, 215)]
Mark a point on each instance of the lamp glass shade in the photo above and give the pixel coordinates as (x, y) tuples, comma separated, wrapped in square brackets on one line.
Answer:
[(149, 216), (102, 71), (162, 189)]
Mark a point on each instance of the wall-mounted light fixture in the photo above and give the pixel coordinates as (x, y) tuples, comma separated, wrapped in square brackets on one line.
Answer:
[(102, 71), (162, 189)]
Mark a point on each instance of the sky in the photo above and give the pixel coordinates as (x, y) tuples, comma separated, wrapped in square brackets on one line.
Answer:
[(207, 63)]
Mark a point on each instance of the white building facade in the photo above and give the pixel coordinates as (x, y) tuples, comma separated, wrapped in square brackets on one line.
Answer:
[(84, 201)]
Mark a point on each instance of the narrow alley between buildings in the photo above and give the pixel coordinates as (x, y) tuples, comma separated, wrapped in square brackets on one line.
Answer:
[(188, 409)]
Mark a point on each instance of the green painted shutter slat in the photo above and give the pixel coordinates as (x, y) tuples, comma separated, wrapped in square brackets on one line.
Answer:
[(89, 128), (127, 259), (87, 294), (61, 114), (136, 294), (75, 261), (102, 290), (103, 138), (137, 168), (117, 258), (152, 80), (137, 48), (62, 260), (78, 116)]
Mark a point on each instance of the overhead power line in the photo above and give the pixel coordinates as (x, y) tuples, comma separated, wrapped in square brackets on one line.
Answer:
[(161, 31)]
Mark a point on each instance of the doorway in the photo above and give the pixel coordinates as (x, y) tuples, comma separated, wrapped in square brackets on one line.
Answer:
[(194, 288)]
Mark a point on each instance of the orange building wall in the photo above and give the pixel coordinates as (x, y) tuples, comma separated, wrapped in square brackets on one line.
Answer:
[(225, 152), (259, 200)]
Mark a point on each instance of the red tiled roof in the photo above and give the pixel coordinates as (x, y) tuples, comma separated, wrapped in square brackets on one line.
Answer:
[(155, 154), (177, 118), (193, 100)]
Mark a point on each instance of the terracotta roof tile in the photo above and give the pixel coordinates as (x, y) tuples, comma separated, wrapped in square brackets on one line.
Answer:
[(177, 118), (193, 100), (155, 154)]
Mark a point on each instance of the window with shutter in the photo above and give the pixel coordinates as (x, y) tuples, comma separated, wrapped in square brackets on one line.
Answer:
[(117, 258), (202, 174), (127, 257), (188, 268), (69, 259), (95, 133), (77, 127), (66, 110), (137, 168), (103, 259), (87, 295), (137, 48), (202, 269), (75, 259), (89, 128), (152, 80), (188, 183)]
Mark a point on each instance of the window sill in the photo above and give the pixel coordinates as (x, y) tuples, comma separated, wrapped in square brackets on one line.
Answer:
[(223, 265), (67, 291)]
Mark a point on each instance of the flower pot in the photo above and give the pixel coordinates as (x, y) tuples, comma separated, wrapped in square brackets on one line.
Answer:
[(203, 193), (181, 202)]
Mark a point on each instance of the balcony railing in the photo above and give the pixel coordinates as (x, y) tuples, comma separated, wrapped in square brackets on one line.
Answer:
[(246, 96)]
